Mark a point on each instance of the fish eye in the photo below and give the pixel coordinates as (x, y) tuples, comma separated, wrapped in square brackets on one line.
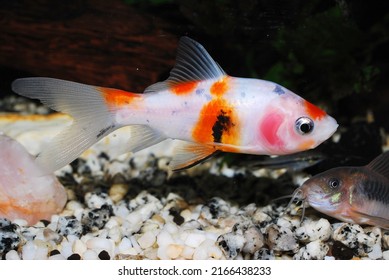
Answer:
[(334, 183), (304, 125)]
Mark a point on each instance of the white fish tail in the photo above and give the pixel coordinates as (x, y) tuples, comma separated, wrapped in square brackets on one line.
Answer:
[(92, 118)]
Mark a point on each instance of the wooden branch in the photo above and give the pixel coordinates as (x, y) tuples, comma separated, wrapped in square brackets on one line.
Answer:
[(99, 42)]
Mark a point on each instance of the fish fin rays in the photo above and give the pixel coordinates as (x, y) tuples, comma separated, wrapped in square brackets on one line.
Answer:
[(372, 220), (189, 154), (141, 137), (92, 119), (380, 165), (193, 63)]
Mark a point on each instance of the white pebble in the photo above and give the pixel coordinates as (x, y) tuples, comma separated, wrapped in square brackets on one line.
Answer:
[(315, 250), (135, 244), (79, 247), (164, 238), (41, 252), (99, 244), (34, 250), (28, 251), (115, 234), (254, 240), (12, 255), (314, 230), (171, 228), (125, 247), (90, 255), (173, 251), (113, 222), (207, 250), (186, 214), (20, 222), (194, 239), (66, 248), (147, 239), (376, 252), (385, 255), (73, 205), (57, 257), (161, 253), (187, 252)]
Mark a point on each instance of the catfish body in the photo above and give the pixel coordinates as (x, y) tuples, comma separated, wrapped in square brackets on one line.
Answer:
[(352, 194)]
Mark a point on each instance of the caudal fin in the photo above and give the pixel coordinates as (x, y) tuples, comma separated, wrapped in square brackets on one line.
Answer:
[(92, 118)]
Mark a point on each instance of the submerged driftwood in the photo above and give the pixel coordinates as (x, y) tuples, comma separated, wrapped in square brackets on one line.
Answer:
[(98, 42)]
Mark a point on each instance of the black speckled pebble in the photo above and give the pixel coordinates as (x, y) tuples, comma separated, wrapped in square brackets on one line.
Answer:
[(74, 257), (9, 236), (69, 225), (97, 218), (54, 252), (103, 255)]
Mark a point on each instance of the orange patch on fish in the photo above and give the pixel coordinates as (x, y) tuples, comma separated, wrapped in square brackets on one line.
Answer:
[(218, 123), (118, 97), (314, 112), (219, 88), (306, 145), (184, 88)]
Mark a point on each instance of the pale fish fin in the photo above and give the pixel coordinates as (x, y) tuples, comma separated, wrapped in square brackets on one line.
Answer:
[(193, 63), (141, 137), (364, 218), (189, 154), (92, 119), (380, 164)]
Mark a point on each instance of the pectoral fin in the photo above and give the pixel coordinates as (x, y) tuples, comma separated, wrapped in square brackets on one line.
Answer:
[(190, 154), (364, 218)]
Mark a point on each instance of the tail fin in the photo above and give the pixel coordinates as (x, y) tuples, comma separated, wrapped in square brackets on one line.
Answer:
[(92, 118)]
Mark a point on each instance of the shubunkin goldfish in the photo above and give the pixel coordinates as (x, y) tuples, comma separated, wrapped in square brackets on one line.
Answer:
[(351, 194), (199, 104)]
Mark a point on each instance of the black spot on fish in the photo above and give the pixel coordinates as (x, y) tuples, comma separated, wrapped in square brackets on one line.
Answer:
[(223, 124), (104, 130)]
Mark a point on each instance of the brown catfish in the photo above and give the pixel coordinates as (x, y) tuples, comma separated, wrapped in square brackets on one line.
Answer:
[(351, 194)]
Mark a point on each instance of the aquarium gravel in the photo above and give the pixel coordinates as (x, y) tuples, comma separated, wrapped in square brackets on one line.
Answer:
[(133, 207)]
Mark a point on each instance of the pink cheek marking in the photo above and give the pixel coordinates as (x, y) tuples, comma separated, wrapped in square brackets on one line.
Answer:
[(269, 128)]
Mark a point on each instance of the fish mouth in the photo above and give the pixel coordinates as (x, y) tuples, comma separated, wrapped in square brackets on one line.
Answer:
[(327, 134), (319, 200)]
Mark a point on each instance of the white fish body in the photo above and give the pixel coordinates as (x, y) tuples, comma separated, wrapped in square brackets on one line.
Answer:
[(199, 104)]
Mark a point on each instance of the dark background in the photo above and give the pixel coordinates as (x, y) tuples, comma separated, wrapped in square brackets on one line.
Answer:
[(333, 53)]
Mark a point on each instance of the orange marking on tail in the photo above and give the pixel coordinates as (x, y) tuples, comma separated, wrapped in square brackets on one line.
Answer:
[(218, 123), (314, 112), (219, 88), (184, 88), (119, 97)]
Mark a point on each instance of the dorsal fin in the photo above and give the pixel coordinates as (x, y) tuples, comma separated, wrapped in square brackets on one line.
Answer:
[(380, 164), (193, 63)]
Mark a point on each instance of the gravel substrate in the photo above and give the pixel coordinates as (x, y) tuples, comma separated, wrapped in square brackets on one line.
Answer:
[(132, 207)]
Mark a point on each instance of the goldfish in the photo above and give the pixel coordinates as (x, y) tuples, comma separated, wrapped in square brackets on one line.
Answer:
[(199, 104), (24, 192), (351, 194)]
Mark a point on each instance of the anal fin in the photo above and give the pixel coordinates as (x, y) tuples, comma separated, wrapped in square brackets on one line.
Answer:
[(190, 154), (141, 137)]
